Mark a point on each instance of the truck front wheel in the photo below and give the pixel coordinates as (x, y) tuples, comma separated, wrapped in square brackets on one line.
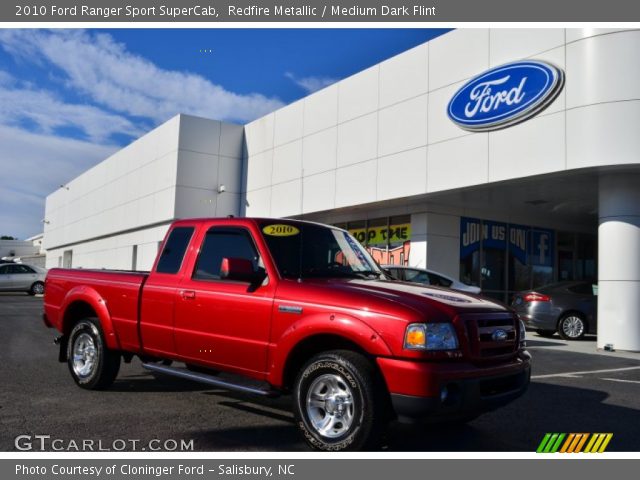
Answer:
[(339, 402), (92, 365)]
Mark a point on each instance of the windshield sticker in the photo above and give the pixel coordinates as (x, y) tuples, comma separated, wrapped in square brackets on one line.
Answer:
[(280, 230), (355, 248)]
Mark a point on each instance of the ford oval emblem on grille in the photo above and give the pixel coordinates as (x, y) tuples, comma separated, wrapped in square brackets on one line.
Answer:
[(499, 335)]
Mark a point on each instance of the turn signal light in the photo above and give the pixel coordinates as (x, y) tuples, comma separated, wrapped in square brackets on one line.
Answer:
[(415, 337), (536, 297)]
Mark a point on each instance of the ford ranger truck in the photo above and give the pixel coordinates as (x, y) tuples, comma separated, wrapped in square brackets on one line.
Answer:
[(271, 307)]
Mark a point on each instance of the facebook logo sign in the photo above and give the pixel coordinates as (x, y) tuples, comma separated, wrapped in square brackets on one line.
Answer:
[(543, 242)]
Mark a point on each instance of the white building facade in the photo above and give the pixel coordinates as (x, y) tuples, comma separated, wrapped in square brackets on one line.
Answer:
[(555, 197)]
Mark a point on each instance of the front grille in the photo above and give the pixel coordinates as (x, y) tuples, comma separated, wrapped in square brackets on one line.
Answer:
[(491, 336)]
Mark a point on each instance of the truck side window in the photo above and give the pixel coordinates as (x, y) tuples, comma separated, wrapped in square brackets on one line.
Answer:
[(173, 253), (222, 243)]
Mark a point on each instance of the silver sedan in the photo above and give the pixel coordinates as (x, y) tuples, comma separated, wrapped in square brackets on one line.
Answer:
[(18, 277), (569, 308), (428, 277)]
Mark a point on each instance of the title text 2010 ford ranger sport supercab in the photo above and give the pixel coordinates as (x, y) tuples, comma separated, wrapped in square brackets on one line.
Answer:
[(296, 307)]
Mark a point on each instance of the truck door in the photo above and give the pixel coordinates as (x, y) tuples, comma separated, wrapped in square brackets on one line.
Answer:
[(159, 294), (221, 322)]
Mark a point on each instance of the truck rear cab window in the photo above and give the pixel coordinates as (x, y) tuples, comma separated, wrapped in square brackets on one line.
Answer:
[(173, 253), (222, 243)]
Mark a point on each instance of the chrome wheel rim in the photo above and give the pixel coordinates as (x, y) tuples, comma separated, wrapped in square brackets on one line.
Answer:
[(38, 289), (573, 326), (329, 405), (84, 355)]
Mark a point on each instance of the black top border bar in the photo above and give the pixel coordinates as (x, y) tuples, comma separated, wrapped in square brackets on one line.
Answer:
[(320, 11)]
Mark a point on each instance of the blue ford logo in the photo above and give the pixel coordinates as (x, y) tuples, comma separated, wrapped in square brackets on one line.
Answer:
[(505, 95), (499, 335)]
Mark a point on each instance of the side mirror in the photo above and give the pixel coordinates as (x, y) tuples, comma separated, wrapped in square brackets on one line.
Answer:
[(240, 269)]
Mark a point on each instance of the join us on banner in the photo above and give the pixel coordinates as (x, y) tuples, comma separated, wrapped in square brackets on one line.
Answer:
[(529, 245)]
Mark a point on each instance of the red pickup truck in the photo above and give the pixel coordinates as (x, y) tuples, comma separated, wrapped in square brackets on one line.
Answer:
[(284, 306)]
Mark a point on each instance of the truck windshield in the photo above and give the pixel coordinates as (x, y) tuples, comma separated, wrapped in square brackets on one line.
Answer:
[(314, 251)]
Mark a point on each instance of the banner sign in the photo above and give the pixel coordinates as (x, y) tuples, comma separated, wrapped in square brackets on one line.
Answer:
[(527, 244), (394, 234)]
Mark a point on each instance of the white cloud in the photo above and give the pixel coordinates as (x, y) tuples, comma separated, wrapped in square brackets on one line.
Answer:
[(99, 67), (5, 78), (34, 165), (310, 84), (125, 94), (48, 113)]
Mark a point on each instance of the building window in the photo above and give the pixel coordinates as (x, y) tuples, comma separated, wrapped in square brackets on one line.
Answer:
[(67, 258), (504, 258), (388, 239)]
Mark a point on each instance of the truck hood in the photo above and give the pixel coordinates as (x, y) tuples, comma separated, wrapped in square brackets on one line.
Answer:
[(386, 296)]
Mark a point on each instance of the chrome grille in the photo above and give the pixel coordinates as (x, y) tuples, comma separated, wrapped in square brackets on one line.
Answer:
[(491, 335)]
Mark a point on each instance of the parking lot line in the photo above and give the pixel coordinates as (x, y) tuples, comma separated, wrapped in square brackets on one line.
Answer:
[(621, 380), (588, 372)]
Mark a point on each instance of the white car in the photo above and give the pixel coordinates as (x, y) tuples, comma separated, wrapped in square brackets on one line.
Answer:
[(18, 277), (428, 277)]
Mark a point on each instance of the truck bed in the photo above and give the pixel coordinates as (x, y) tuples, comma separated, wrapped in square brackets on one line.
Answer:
[(116, 291)]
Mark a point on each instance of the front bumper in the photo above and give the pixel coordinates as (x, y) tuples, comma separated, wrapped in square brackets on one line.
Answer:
[(470, 390)]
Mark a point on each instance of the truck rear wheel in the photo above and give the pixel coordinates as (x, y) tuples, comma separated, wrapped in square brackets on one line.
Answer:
[(339, 402), (92, 365)]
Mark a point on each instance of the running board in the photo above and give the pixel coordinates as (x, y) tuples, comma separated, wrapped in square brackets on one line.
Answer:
[(209, 380)]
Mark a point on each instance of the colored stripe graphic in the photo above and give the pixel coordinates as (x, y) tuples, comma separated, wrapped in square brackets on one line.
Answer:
[(574, 442), (605, 443), (598, 443), (543, 443), (568, 442), (591, 443), (581, 443)]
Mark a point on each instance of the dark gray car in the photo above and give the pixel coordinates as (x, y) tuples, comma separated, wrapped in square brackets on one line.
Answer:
[(569, 308)]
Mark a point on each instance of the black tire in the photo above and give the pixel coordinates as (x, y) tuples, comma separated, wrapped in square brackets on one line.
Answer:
[(545, 333), (568, 326), (37, 288), (100, 365), (361, 421)]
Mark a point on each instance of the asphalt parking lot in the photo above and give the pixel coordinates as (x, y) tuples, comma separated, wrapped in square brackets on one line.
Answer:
[(573, 390)]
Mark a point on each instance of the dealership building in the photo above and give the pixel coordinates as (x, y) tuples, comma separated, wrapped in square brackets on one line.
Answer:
[(528, 195)]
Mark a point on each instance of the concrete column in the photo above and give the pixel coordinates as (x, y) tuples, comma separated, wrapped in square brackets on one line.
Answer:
[(619, 261)]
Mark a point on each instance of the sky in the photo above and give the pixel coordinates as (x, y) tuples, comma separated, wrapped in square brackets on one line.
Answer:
[(71, 98)]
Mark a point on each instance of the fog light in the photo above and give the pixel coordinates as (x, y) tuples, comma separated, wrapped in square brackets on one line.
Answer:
[(444, 394)]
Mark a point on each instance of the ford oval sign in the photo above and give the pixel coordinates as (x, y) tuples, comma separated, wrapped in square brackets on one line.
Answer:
[(505, 95)]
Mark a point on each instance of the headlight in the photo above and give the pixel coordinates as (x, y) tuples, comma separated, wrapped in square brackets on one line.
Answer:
[(522, 330), (430, 336)]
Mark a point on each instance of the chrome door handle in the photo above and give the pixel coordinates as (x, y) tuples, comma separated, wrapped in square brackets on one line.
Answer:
[(188, 294)]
